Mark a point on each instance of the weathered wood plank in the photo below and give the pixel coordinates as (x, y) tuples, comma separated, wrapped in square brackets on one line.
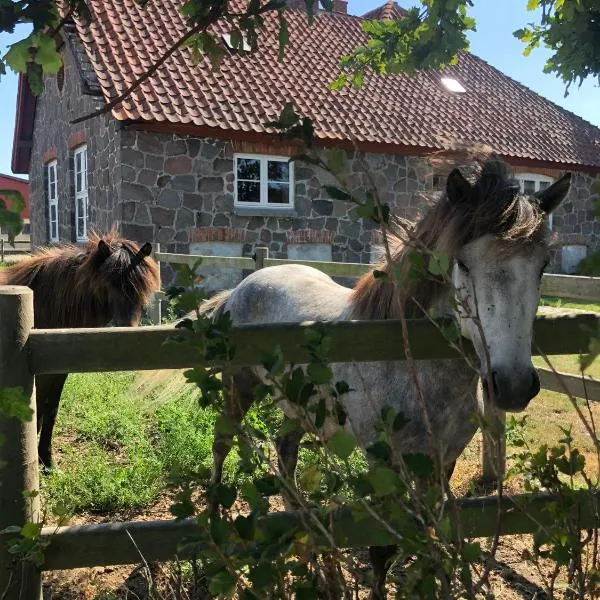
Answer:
[(18, 446), (239, 262), (109, 543), (571, 287), (577, 386), (130, 349)]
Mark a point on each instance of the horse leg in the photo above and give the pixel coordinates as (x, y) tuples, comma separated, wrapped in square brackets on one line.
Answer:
[(288, 446), (381, 561), (238, 397), (381, 556), (48, 389)]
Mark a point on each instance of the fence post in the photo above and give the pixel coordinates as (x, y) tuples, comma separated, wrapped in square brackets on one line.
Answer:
[(154, 310), (18, 452), (494, 443), (260, 255)]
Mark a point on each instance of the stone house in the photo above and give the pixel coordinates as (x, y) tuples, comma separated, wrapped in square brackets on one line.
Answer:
[(186, 160)]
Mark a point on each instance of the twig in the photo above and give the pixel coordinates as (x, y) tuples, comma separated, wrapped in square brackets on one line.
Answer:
[(201, 26)]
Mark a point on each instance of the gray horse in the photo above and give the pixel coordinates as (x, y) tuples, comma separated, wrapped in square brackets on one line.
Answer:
[(497, 241)]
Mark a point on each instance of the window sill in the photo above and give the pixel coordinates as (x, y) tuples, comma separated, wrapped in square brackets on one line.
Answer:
[(265, 211)]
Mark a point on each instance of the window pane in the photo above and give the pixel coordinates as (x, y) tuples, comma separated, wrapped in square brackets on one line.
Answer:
[(53, 212), (78, 182), (278, 171), (52, 193), (544, 185), (279, 193), (248, 168), (248, 191), (529, 186)]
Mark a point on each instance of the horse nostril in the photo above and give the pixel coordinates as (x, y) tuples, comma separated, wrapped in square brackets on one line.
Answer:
[(495, 383), (535, 384)]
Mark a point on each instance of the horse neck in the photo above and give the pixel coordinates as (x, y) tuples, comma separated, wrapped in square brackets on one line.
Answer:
[(397, 294)]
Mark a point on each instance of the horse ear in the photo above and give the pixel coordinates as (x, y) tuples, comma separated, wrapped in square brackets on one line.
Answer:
[(552, 196), (457, 187), (145, 250), (103, 250)]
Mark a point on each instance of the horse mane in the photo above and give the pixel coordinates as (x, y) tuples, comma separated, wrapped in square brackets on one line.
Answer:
[(495, 207), (72, 285)]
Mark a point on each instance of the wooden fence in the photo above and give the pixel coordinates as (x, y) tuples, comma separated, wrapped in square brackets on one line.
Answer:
[(21, 245), (26, 352), (563, 286)]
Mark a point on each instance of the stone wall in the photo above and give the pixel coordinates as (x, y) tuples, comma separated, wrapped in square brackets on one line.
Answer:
[(173, 186), (574, 223), (55, 139)]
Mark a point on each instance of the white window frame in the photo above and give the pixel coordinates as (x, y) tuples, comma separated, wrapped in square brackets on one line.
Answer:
[(264, 183), (537, 179), (81, 194), (52, 196)]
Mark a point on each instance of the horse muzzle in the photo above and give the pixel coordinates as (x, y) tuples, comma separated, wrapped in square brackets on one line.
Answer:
[(511, 389)]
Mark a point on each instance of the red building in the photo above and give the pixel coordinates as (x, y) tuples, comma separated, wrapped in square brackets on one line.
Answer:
[(9, 182)]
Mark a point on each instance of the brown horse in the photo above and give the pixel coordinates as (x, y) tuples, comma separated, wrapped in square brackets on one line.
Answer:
[(109, 280)]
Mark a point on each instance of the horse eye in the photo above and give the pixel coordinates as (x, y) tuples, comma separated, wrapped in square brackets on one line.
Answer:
[(462, 266)]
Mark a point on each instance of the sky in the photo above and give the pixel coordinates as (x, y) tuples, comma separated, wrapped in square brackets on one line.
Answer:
[(493, 41)]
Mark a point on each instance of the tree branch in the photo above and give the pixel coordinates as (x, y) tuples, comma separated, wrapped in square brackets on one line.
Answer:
[(201, 26)]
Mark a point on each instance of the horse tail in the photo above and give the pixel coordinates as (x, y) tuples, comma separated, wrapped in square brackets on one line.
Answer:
[(213, 306)]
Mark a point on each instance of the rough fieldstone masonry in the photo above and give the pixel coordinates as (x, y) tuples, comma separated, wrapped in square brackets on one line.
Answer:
[(179, 189)]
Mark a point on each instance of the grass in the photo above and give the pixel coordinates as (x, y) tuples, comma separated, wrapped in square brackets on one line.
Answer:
[(575, 304), (118, 449)]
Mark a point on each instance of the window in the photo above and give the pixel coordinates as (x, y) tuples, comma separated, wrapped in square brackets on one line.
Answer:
[(263, 181), (52, 195), (530, 183), (81, 194)]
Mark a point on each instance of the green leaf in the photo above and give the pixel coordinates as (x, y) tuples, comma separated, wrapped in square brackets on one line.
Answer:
[(245, 527), (225, 495), (319, 374), (439, 263), (47, 55), (222, 584), (342, 387), (311, 478), (284, 34), (321, 413), (342, 444), (18, 55), (31, 531), (419, 464), (380, 450), (184, 507), (336, 160), (385, 481), (472, 552), (336, 193), (263, 575)]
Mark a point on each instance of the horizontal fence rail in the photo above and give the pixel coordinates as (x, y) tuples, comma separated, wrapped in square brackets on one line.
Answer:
[(579, 386), (148, 348), (563, 286), (106, 544)]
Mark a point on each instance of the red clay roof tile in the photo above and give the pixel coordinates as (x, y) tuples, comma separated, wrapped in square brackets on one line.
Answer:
[(251, 89)]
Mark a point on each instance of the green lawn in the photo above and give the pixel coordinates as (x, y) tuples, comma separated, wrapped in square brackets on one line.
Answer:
[(118, 444)]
